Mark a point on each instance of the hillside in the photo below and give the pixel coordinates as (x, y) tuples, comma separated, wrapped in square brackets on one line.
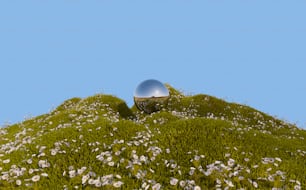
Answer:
[(195, 142)]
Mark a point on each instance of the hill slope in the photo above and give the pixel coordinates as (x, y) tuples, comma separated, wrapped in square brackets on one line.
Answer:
[(195, 142)]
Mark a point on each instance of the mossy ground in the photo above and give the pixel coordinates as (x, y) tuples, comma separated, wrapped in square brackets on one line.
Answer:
[(194, 142)]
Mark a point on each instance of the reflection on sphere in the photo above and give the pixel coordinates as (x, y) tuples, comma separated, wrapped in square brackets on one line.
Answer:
[(150, 95)]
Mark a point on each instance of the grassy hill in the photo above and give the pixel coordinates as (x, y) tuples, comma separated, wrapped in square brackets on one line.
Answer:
[(194, 142)]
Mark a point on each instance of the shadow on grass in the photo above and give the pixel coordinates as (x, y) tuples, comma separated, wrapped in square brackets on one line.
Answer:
[(124, 111)]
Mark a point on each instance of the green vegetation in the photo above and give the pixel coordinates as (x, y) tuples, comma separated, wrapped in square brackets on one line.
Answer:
[(194, 142)]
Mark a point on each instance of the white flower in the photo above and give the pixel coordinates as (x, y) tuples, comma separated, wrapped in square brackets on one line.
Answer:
[(278, 159), (136, 143), (218, 181), (53, 152), (191, 182), (231, 162), (182, 183), (85, 178), (197, 188), (92, 174), (41, 154), (42, 148), (229, 183), (18, 182), (6, 161), (255, 184), (217, 162), (30, 161), (207, 173), (270, 178), (43, 164), (35, 178), (117, 184), (118, 177), (44, 174), (143, 158), (98, 183), (173, 181), (173, 165), (5, 177), (111, 163), (91, 181), (100, 157), (80, 171), (31, 171), (192, 170), (157, 186), (72, 174)]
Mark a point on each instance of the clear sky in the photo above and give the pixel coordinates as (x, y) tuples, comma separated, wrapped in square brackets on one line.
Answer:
[(247, 51)]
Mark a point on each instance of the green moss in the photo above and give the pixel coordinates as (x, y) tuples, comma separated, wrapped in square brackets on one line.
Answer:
[(187, 128)]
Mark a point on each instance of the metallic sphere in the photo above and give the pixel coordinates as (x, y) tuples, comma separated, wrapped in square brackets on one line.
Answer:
[(150, 95)]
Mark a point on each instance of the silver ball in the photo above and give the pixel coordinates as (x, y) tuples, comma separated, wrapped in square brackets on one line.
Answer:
[(150, 95)]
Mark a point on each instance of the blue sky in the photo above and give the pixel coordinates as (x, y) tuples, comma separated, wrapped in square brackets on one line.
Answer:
[(249, 52)]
